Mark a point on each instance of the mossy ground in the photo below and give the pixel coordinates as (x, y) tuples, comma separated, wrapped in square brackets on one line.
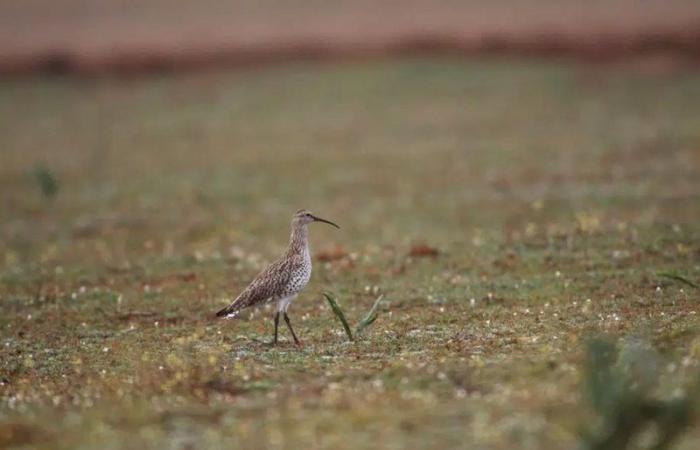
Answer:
[(554, 193)]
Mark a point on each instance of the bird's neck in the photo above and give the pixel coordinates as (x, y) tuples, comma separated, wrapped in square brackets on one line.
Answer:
[(299, 240)]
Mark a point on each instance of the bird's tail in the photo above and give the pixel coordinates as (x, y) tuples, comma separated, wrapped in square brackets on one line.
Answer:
[(229, 312)]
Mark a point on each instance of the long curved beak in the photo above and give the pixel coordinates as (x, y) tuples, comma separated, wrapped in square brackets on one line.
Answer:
[(318, 219)]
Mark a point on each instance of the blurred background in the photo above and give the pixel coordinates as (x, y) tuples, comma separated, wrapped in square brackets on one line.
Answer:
[(134, 36), (512, 175), (274, 105)]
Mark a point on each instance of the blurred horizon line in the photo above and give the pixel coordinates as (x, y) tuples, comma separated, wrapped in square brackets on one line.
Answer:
[(113, 36), (676, 45)]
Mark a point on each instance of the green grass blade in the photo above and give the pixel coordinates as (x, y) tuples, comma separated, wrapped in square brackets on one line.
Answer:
[(338, 312), (370, 317), (676, 277)]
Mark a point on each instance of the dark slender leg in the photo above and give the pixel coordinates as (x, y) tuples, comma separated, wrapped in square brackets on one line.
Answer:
[(289, 324), (277, 322)]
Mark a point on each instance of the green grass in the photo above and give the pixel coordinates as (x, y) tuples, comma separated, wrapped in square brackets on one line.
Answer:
[(554, 193)]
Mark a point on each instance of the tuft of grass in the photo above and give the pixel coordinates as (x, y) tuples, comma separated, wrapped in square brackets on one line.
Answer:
[(338, 313), (620, 389), (48, 184), (366, 321), (370, 317)]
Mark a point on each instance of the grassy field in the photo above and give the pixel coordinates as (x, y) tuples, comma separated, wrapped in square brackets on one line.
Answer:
[(554, 194)]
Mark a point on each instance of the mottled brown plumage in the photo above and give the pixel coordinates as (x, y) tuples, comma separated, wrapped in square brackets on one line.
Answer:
[(282, 280)]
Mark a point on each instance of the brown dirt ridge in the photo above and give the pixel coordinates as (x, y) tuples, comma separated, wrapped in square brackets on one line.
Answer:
[(83, 36)]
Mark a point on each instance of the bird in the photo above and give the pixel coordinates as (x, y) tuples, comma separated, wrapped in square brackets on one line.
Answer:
[(282, 280)]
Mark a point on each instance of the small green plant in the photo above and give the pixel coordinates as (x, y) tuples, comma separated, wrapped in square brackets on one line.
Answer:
[(364, 323), (339, 313), (370, 317), (46, 180), (619, 388)]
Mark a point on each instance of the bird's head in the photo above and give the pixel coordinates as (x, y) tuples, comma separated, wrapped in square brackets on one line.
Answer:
[(304, 217)]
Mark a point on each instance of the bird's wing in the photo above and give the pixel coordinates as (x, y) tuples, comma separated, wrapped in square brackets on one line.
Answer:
[(267, 284)]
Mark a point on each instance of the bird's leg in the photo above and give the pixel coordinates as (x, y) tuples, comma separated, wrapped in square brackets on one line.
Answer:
[(277, 322), (289, 325), (274, 341)]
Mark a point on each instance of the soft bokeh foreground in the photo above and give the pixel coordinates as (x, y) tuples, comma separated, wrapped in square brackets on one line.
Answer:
[(554, 195)]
